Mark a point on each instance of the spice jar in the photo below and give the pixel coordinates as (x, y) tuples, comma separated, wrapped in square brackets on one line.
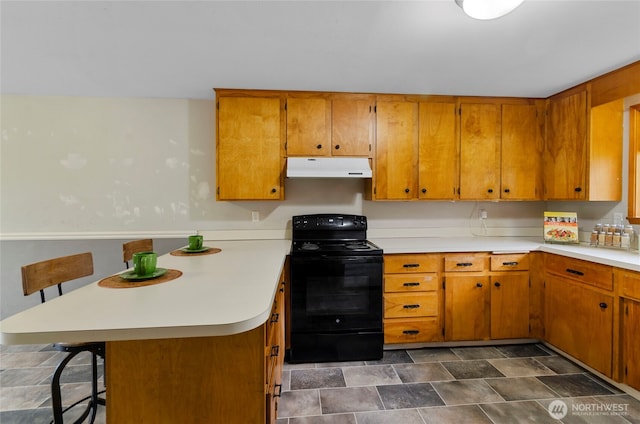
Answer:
[(593, 240), (625, 241), (608, 240), (601, 238)]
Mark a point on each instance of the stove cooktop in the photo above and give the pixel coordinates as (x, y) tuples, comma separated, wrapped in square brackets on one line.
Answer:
[(350, 247)]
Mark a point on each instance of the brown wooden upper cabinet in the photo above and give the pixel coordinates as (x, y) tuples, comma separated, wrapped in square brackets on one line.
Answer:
[(479, 151), (329, 125), (583, 154), (396, 158), (249, 146)]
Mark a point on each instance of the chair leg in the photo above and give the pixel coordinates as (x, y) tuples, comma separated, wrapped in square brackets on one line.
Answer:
[(56, 396)]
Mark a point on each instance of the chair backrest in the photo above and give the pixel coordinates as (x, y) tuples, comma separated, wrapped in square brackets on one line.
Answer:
[(135, 246), (40, 275)]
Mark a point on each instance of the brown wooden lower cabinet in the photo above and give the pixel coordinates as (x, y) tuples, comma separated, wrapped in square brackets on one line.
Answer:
[(580, 310), (220, 379), (629, 290)]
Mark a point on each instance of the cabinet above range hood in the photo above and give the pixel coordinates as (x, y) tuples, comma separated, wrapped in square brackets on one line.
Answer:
[(321, 167)]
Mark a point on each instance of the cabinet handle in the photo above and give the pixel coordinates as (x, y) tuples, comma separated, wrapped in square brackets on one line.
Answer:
[(506, 190), (573, 271), (275, 350), (411, 332), (424, 190), (411, 284), (497, 284), (510, 263), (490, 190), (577, 189), (603, 305), (406, 190), (410, 306), (273, 190), (410, 265), (275, 318), (277, 390), (337, 147), (478, 284), (319, 146), (464, 264)]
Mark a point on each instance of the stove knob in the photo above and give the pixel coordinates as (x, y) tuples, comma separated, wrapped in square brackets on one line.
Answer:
[(337, 320)]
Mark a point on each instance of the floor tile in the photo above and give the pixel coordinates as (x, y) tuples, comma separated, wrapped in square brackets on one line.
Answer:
[(466, 392), (393, 357), (481, 352), (521, 388), (520, 367), (423, 372), (560, 365), (23, 397), (25, 376), (630, 406), (400, 416), (462, 414), (433, 354), (27, 416), (317, 378), (372, 375), (25, 359), (340, 364), (416, 395), (299, 403), (350, 399), (523, 350), (573, 385), (526, 412), (325, 419), (472, 369)]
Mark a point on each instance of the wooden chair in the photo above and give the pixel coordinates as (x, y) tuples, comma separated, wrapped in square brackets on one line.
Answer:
[(54, 272), (135, 246)]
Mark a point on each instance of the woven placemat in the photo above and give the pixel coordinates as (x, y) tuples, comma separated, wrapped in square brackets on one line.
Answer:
[(210, 251), (115, 282)]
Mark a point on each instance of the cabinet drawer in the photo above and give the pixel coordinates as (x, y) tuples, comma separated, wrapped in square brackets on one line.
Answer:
[(510, 262), (401, 305), (465, 263), (630, 284), (412, 330), (412, 283), (596, 275), (394, 264)]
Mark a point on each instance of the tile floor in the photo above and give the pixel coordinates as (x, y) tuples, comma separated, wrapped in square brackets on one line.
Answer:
[(493, 385)]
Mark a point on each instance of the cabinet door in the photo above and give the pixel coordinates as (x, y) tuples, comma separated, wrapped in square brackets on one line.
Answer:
[(352, 126), (522, 148), (565, 153), (438, 151), (630, 346), (579, 321), (479, 152), (249, 149), (510, 305), (467, 302), (308, 126), (396, 150)]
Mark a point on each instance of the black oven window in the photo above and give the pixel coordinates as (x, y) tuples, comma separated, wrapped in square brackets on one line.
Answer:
[(348, 295)]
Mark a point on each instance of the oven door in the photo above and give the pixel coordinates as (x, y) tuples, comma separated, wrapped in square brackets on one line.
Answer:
[(336, 294)]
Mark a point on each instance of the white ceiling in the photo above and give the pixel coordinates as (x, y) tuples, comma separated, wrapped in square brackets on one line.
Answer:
[(183, 49)]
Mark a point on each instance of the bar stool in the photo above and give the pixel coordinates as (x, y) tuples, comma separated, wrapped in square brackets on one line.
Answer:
[(135, 246), (54, 272)]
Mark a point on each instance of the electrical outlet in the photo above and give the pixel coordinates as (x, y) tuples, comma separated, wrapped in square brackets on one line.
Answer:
[(255, 216), (483, 214)]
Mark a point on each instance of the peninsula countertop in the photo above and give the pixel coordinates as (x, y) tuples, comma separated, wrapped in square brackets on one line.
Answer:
[(220, 294)]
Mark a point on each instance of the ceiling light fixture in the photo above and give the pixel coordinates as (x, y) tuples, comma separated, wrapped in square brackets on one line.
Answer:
[(488, 9)]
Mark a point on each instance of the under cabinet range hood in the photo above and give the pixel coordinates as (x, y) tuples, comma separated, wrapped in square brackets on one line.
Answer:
[(321, 167)]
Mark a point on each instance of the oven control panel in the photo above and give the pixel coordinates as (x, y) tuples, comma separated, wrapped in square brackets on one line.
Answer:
[(329, 222)]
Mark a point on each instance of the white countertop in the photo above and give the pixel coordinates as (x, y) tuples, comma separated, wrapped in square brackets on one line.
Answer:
[(614, 257), (225, 293), (228, 292)]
